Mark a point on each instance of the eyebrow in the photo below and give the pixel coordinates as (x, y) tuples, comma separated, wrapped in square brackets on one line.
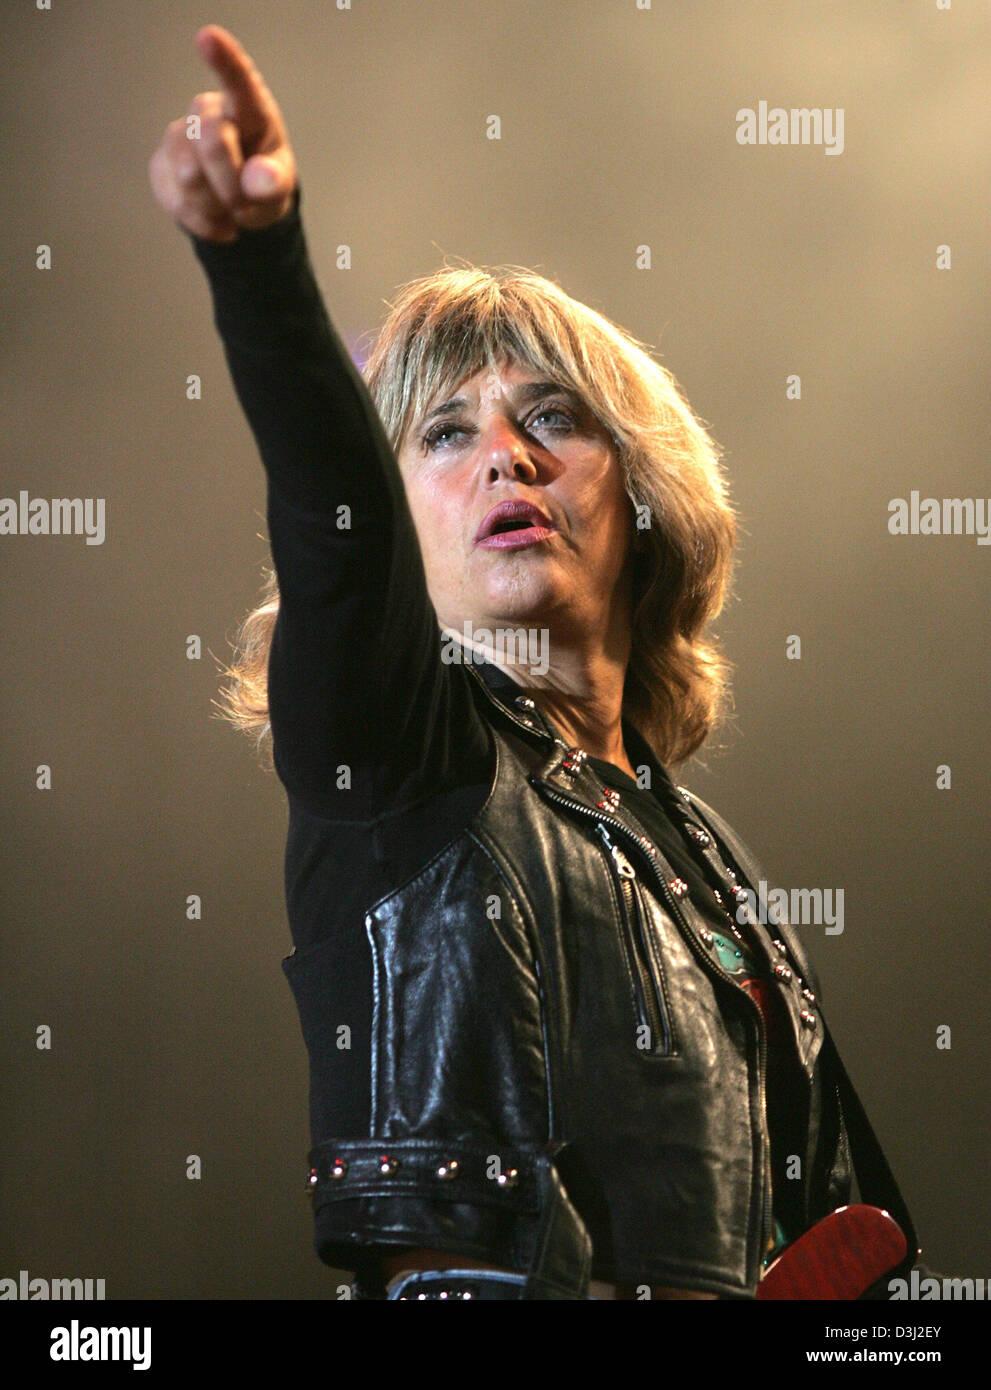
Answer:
[(526, 392)]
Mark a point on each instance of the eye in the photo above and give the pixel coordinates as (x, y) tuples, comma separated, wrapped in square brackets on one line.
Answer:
[(557, 410), (433, 437)]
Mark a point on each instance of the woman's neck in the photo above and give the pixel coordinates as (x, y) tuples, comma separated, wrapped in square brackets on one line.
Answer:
[(583, 699)]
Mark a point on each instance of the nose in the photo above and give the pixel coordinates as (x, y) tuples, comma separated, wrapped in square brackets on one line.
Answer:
[(505, 454)]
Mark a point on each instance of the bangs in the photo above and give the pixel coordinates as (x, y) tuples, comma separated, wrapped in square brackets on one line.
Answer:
[(457, 334)]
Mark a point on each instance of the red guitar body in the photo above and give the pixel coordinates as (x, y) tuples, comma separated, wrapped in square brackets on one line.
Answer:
[(838, 1258)]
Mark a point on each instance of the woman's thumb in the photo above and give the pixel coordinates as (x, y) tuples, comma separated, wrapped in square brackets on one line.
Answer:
[(262, 178)]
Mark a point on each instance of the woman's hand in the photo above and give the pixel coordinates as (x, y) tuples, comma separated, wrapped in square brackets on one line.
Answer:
[(228, 163)]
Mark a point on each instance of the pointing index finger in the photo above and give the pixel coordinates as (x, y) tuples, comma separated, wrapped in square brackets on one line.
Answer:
[(248, 99)]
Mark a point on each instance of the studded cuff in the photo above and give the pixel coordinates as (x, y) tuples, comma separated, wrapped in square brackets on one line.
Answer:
[(455, 1172), (505, 1204)]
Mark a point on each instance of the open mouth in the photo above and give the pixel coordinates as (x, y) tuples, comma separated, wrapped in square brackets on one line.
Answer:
[(514, 523)]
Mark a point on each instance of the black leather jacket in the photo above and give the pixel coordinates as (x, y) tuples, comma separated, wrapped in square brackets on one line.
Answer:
[(513, 1110)]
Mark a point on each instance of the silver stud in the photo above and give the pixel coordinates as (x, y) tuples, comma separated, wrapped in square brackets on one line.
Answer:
[(780, 947), (312, 1179), (782, 972), (706, 936), (525, 702), (807, 994), (450, 1169), (339, 1168), (699, 836), (509, 1178), (678, 887), (388, 1165), (808, 1018)]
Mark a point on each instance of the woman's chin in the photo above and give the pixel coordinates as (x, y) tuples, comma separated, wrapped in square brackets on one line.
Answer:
[(526, 602)]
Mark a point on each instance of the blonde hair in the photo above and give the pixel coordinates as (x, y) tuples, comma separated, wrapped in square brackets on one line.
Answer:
[(444, 328)]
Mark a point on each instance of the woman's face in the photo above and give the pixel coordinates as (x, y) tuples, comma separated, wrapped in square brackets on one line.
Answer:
[(512, 436)]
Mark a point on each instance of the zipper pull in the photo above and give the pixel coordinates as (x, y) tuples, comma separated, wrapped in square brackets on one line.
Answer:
[(623, 865)]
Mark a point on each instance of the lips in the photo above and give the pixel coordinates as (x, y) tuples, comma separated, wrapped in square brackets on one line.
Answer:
[(514, 523)]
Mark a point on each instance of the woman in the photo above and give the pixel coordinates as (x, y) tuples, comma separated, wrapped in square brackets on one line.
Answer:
[(553, 1053)]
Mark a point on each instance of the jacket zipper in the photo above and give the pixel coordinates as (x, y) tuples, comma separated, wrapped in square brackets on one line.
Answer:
[(754, 1257), (649, 1004)]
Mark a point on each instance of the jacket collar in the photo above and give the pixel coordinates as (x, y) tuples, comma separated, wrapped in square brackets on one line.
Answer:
[(510, 694)]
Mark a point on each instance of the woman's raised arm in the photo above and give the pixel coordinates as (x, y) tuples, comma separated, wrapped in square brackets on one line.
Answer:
[(355, 678)]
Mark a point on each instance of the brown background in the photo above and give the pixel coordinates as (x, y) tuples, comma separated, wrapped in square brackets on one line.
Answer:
[(175, 1037)]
